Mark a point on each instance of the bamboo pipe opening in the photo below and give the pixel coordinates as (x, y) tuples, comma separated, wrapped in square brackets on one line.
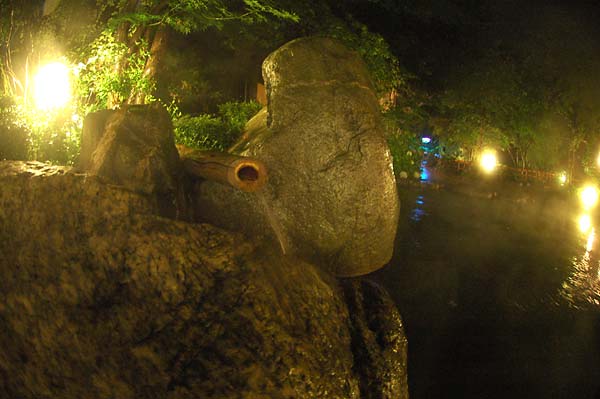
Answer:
[(243, 173), (247, 173)]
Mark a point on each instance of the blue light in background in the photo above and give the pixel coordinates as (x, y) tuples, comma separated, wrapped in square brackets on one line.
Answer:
[(424, 174)]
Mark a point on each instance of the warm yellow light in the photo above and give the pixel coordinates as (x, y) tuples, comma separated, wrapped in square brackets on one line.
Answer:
[(585, 223), (590, 241), (598, 160), (562, 178), (52, 86), (589, 197), (488, 161)]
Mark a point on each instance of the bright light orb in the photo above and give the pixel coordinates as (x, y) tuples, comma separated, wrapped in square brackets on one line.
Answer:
[(52, 86), (488, 161), (589, 197), (585, 223), (562, 178)]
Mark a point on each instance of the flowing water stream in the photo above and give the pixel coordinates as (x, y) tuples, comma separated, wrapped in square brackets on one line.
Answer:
[(273, 222), (500, 295)]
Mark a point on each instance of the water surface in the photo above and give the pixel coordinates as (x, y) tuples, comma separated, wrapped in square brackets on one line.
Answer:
[(499, 291)]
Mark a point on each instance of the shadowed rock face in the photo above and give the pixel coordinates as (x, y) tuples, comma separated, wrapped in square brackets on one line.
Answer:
[(103, 299), (331, 189), (134, 148)]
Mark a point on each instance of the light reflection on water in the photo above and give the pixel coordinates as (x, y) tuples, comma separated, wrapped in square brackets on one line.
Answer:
[(497, 292), (582, 287), (418, 213), (590, 242)]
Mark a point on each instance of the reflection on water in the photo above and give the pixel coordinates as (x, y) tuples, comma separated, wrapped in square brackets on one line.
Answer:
[(585, 223), (590, 241), (418, 212), (582, 287), (497, 295)]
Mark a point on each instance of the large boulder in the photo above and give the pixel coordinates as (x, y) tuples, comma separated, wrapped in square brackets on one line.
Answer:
[(101, 298), (331, 196), (133, 147)]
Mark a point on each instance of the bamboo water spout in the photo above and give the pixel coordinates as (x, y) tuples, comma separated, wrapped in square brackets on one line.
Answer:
[(243, 173)]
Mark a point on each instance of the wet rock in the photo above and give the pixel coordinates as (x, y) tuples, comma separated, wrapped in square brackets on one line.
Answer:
[(104, 299), (331, 196), (378, 340)]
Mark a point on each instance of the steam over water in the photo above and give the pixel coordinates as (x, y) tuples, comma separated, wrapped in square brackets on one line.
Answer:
[(500, 294)]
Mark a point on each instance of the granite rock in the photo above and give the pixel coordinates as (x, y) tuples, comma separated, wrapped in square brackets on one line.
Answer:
[(102, 298), (331, 197)]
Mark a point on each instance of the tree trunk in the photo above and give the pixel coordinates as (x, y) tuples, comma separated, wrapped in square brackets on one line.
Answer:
[(154, 64)]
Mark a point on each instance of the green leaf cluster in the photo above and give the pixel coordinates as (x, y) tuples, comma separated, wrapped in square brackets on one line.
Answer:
[(187, 16), (382, 64), (406, 152), (13, 130), (111, 73), (215, 132)]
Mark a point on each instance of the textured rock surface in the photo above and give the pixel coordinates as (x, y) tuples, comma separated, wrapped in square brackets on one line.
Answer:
[(331, 190), (133, 147), (378, 340), (102, 299)]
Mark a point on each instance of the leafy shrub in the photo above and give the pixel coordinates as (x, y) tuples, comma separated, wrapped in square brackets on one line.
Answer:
[(111, 75), (202, 131), (236, 114), (55, 138), (406, 152), (13, 133), (215, 132), (30, 134)]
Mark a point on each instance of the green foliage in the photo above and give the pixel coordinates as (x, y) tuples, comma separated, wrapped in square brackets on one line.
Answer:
[(382, 64), (13, 132), (407, 117), (202, 131), (55, 137), (236, 114), (490, 104), (111, 74), (187, 16), (27, 133), (215, 132), (402, 140), (406, 152)]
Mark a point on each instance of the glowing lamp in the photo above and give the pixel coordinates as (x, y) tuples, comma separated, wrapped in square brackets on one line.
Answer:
[(488, 161), (562, 178), (52, 86), (426, 140), (589, 197)]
